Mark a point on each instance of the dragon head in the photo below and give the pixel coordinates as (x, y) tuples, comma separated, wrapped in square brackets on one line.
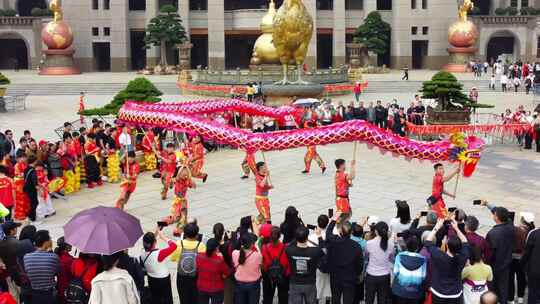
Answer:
[(466, 150)]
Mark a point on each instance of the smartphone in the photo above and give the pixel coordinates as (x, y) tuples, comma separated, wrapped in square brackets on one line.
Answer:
[(511, 216), (477, 202), (331, 212), (423, 213), (162, 224), (452, 209), (311, 227)]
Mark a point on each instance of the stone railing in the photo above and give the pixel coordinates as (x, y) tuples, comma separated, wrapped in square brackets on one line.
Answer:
[(17, 20), (241, 77), (504, 19)]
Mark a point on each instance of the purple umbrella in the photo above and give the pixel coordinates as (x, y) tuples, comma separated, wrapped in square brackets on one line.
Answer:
[(102, 230)]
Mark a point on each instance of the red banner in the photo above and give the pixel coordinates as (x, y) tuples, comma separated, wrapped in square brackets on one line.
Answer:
[(449, 129), (225, 89)]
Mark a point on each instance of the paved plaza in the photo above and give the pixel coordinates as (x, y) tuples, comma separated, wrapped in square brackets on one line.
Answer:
[(505, 176)]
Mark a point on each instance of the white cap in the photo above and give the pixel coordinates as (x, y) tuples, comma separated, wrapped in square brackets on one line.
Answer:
[(527, 216), (372, 220)]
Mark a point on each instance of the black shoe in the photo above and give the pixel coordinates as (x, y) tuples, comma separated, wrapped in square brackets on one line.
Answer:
[(305, 172), (244, 177), (323, 169), (204, 178), (156, 175)]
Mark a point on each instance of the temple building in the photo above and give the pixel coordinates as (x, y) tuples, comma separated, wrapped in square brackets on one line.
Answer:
[(109, 33)]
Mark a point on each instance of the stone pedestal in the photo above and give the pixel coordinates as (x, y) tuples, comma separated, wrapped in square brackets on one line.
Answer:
[(59, 62), (459, 58), (278, 95), (184, 57)]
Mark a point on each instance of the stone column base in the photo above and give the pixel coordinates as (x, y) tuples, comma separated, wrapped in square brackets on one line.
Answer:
[(459, 58), (59, 62)]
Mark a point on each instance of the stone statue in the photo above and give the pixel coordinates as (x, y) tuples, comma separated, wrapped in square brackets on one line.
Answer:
[(293, 28), (464, 9)]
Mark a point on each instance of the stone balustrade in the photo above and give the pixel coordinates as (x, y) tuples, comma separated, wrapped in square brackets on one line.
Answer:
[(242, 77), (17, 20), (504, 19)]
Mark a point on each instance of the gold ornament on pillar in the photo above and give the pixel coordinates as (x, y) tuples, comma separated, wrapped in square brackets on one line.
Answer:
[(57, 34), (264, 51), (463, 33), (462, 36)]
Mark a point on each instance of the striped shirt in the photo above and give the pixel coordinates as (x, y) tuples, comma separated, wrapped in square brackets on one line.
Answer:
[(42, 268)]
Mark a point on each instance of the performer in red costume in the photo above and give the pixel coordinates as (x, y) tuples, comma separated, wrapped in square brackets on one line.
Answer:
[(22, 202), (93, 153), (148, 147), (437, 190), (129, 184), (197, 158), (248, 165), (312, 154), (179, 208), (168, 166), (343, 182), (262, 188)]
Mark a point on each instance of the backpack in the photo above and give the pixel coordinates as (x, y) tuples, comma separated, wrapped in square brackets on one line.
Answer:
[(75, 292), (187, 263), (276, 272)]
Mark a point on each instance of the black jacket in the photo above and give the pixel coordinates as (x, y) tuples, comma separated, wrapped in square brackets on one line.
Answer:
[(531, 256), (345, 257), (501, 241)]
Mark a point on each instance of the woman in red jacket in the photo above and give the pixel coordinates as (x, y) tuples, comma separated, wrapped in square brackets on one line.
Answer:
[(274, 275), (211, 273), (86, 268), (66, 261)]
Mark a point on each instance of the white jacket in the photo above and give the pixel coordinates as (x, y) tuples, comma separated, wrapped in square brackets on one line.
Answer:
[(114, 286)]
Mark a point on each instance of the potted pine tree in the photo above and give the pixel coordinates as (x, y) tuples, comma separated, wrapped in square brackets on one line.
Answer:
[(453, 106)]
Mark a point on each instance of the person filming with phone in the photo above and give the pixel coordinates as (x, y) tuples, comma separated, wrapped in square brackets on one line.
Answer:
[(153, 261)]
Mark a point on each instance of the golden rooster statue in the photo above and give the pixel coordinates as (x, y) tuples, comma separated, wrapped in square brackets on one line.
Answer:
[(56, 8), (467, 6), (293, 28)]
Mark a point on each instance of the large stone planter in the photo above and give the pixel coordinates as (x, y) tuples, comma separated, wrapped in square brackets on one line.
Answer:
[(3, 90), (435, 117)]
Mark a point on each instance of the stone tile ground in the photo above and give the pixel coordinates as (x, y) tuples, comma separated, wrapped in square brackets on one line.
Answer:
[(505, 175)]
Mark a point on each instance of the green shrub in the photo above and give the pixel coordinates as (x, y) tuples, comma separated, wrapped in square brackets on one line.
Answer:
[(4, 80), (36, 12), (512, 11), (501, 11), (138, 89), (8, 12)]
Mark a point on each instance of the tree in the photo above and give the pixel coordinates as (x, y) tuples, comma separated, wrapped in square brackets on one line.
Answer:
[(374, 33), (165, 28), (4, 80), (445, 88), (138, 89)]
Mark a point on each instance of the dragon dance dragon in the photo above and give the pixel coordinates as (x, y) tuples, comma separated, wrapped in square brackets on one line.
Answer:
[(189, 117)]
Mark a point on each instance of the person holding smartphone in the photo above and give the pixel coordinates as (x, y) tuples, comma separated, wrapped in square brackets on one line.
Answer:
[(153, 261)]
